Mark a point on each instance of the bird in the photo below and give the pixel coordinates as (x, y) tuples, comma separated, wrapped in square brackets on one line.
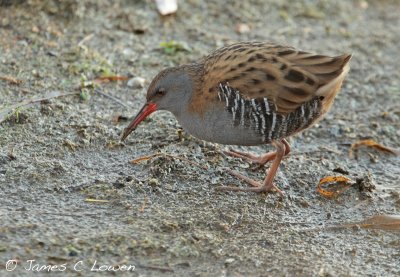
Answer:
[(247, 94)]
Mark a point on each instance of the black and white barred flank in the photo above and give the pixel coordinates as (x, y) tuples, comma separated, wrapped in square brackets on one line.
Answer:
[(261, 114)]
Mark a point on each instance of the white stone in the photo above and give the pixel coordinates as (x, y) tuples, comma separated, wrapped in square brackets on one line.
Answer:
[(167, 6), (136, 82)]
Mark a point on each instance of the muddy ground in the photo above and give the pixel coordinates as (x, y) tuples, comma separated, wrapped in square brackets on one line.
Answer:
[(163, 215)]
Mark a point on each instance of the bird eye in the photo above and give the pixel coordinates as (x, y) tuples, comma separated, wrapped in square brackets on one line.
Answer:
[(161, 92)]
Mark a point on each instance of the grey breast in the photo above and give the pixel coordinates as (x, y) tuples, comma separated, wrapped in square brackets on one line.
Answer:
[(216, 125)]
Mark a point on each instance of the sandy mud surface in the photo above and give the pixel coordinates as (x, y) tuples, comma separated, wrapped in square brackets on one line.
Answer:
[(163, 215)]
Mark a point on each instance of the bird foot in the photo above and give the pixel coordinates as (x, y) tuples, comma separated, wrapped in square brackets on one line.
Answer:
[(256, 186), (260, 160), (255, 189)]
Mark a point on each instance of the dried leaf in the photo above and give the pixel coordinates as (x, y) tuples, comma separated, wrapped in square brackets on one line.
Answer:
[(141, 209), (90, 200), (342, 182), (381, 222), (373, 144), (377, 222), (110, 78), (144, 158), (11, 80)]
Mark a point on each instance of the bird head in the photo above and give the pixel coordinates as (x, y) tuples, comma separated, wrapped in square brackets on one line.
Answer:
[(170, 90)]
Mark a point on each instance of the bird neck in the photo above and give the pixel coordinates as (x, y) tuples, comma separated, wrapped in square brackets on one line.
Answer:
[(195, 72), (191, 77)]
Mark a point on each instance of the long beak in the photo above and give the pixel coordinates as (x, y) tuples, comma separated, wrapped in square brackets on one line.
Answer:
[(144, 112)]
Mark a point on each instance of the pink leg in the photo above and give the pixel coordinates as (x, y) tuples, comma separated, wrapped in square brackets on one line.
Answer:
[(261, 160), (267, 185)]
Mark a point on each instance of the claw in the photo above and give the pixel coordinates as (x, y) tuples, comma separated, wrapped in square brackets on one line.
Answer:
[(268, 184)]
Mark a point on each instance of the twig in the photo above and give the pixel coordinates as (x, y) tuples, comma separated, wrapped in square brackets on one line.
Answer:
[(90, 200), (141, 209), (88, 37), (7, 110), (110, 78), (111, 97)]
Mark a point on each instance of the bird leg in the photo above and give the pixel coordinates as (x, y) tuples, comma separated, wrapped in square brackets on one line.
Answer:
[(267, 185), (261, 160)]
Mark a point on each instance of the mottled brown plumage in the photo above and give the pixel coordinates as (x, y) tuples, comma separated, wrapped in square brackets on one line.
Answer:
[(248, 93), (286, 76)]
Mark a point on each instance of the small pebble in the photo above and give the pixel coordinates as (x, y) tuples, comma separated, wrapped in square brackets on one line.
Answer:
[(242, 28), (167, 6), (136, 82), (35, 29), (229, 260)]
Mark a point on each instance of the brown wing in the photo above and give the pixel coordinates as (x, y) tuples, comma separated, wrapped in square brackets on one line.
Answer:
[(284, 75)]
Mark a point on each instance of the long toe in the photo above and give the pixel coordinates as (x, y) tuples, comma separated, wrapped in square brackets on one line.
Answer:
[(261, 160), (244, 178), (256, 186), (257, 189)]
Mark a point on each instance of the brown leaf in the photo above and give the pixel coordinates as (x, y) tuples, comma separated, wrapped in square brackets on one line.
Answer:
[(143, 158), (141, 209), (91, 200), (11, 80), (111, 78), (382, 222), (373, 144), (342, 184), (377, 222)]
